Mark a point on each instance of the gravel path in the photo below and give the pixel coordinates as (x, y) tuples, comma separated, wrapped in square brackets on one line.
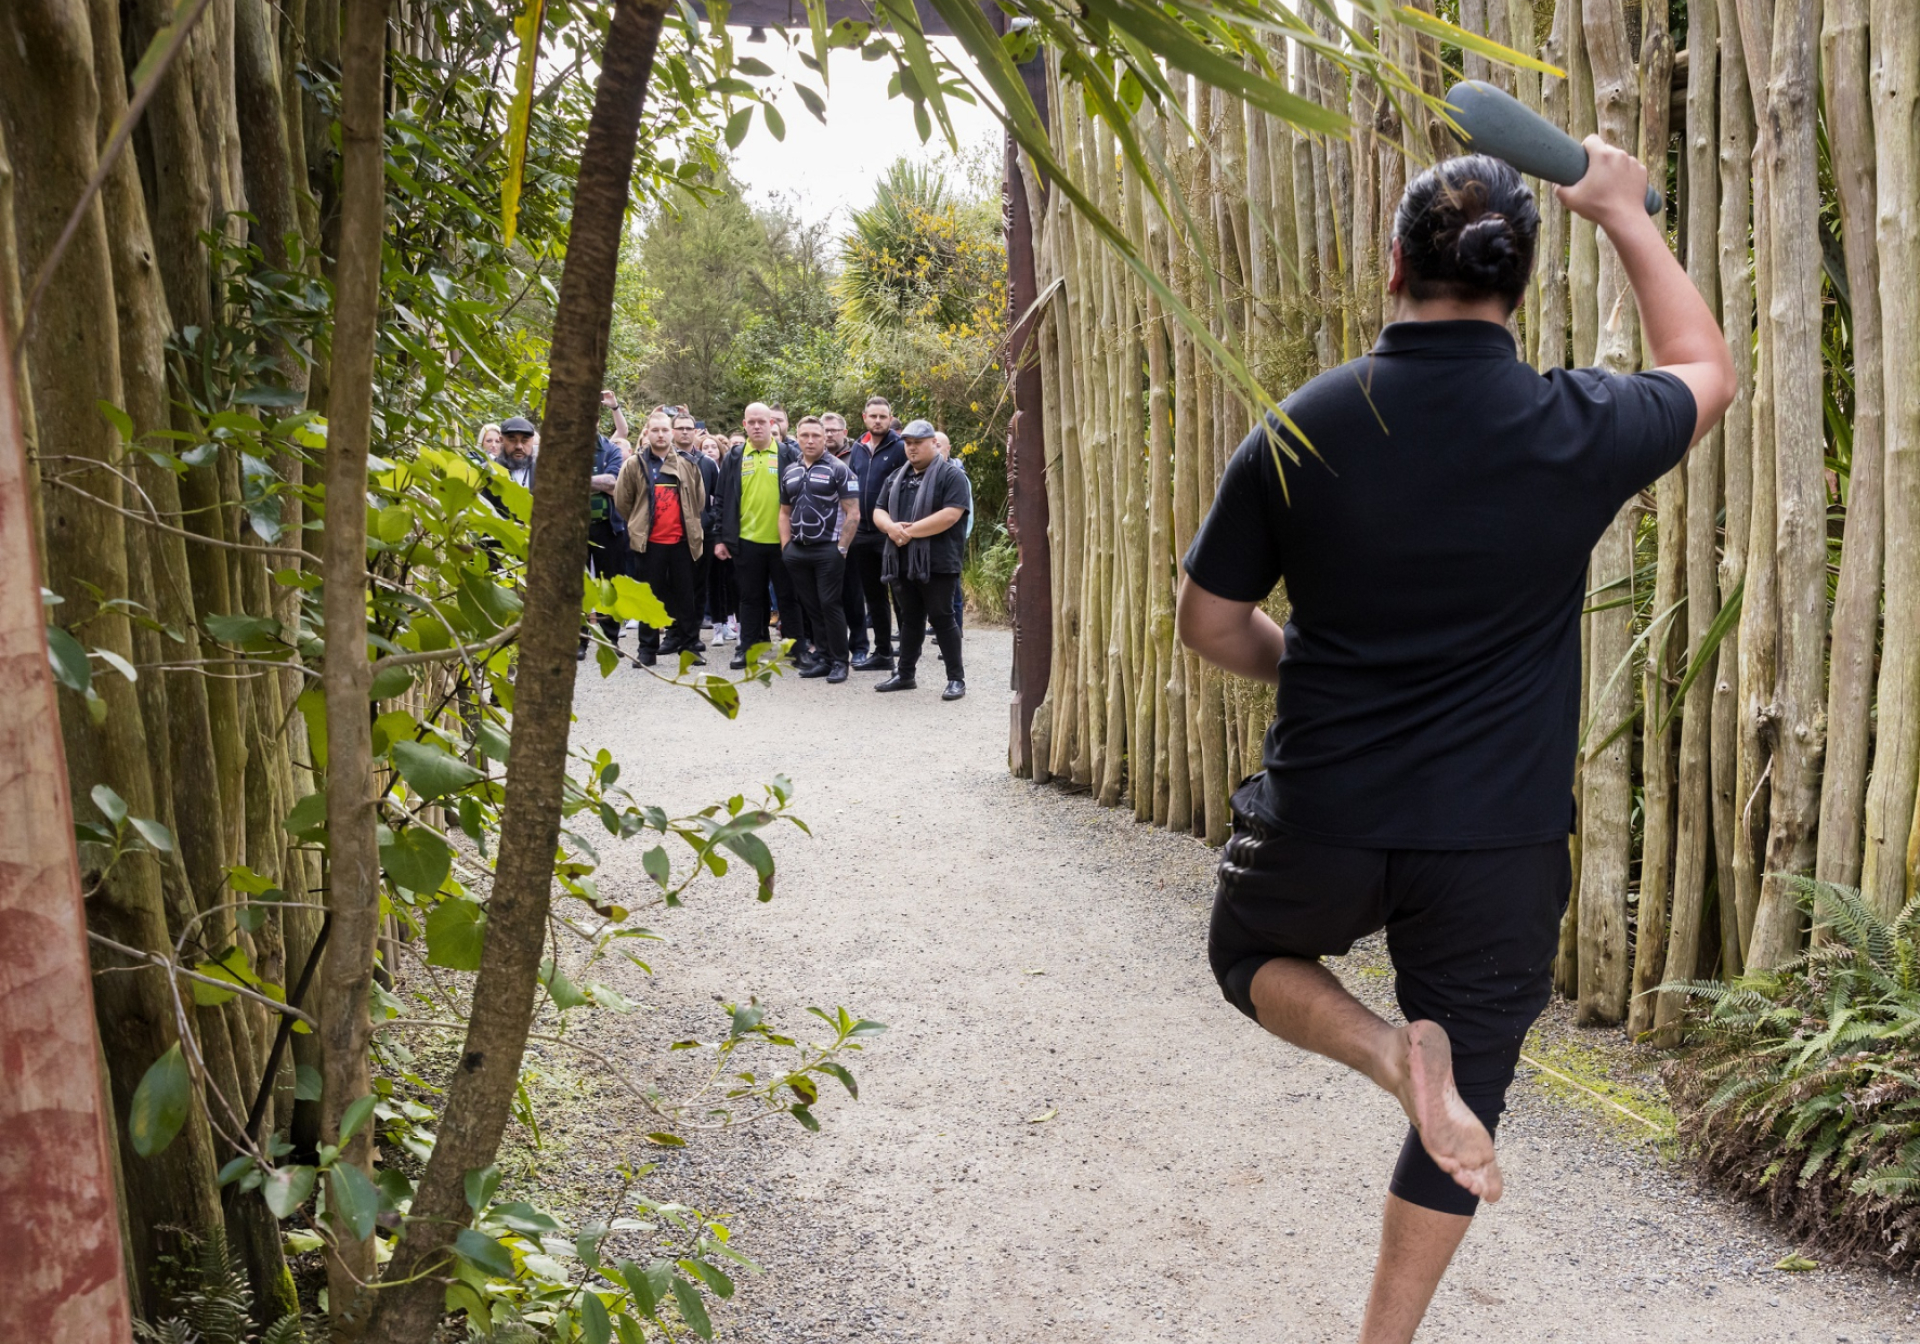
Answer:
[(1036, 954)]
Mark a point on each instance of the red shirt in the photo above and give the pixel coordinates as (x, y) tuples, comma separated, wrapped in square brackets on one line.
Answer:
[(667, 527)]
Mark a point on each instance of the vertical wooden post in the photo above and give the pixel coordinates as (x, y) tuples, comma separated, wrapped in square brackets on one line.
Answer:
[(1030, 596), (66, 1279)]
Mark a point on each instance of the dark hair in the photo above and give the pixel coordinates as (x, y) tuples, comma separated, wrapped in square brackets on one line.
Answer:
[(1467, 228)]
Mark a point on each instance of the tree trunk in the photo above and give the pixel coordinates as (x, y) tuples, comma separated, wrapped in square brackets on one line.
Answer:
[(483, 1086), (1692, 811), (1608, 787), (1856, 605), (1886, 865), (1730, 804), (1657, 855), (1793, 185), (353, 859)]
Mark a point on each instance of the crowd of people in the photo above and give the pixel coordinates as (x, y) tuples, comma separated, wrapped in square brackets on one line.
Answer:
[(835, 541)]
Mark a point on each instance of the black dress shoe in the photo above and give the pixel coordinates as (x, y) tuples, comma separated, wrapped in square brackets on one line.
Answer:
[(739, 661), (813, 670), (955, 689), (644, 659), (583, 653), (697, 661), (873, 663), (899, 681), (836, 674)]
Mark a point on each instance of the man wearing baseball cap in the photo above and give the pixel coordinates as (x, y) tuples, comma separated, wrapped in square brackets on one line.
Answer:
[(921, 512)]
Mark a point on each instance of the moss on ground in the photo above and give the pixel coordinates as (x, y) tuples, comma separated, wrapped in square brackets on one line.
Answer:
[(1600, 1079)]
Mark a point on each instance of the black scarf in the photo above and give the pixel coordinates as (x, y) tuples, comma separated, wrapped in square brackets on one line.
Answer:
[(919, 551)]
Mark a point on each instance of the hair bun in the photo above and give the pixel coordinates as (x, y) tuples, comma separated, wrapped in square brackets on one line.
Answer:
[(1489, 253)]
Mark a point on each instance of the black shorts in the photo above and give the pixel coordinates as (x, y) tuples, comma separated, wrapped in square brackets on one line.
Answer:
[(1472, 934)]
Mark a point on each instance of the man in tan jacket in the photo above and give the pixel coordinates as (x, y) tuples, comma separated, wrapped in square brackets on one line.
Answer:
[(661, 494)]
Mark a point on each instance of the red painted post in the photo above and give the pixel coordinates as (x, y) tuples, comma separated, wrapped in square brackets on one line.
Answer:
[(65, 1281)]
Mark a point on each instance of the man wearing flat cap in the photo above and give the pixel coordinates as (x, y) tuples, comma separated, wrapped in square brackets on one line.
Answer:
[(921, 512)]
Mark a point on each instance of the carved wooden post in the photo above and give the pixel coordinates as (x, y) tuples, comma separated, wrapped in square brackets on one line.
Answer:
[(66, 1280), (1030, 596)]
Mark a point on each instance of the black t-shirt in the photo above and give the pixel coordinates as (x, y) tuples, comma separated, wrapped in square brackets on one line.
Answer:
[(1435, 556), (952, 490)]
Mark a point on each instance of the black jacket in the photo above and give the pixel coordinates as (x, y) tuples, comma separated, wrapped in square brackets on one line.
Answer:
[(729, 533), (872, 465), (710, 474)]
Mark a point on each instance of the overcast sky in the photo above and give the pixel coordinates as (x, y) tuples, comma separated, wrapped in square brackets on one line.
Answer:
[(831, 168)]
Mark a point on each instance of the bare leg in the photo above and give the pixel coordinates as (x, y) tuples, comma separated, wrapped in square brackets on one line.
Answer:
[(1416, 1245), (1302, 1003)]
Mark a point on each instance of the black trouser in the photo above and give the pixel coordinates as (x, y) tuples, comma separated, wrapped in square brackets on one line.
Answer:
[(1472, 934), (667, 568), (702, 586), (865, 560), (755, 564), (819, 572), (722, 599), (853, 602), (606, 556), (923, 601)]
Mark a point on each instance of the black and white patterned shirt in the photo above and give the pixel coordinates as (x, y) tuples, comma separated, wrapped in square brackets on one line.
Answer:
[(814, 493)]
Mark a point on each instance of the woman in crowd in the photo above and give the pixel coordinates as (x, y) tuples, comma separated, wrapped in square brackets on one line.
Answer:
[(490, 440)]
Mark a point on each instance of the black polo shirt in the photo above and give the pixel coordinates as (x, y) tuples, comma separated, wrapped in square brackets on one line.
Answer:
[(1434, 543), (951, 490)]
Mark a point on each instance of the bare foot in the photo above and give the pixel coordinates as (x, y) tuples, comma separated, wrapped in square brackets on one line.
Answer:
[(1451, 1133)]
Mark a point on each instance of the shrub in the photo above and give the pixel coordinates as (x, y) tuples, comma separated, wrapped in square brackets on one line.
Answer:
[(986, 576), (1801, 1088)]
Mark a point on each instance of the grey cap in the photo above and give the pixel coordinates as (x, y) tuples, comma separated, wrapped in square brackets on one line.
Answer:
[(519, 424), (917, 429)]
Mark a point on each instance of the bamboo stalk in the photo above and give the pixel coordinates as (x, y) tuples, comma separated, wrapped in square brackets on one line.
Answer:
[(1895, 54), (1692, 819), (1736, 319), (1856, 604)]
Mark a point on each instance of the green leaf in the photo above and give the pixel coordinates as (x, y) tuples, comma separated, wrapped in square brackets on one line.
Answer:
[(160, 1103), (456, 932), (255, 634), (814, 102), (738, 125), (776, 123), (286, 1189), (307, 1085), (647, 1285), (122, 422), (666, 1140), (630, 1332), (524, 1218), (1454, 35), (351, 1195), (635, 602), (70, 666), (520, 115), (711, 1276), (156, 835), (565, 993), (596, 1327), (307, 817), (112, 806), (313, 708), (393, 524), (657, 865), (117, 663), (430, 771), (354, 1117), (805, 1116), (492, 741), (389, 682), (692, 1310), (484, 1253), (481, 1183), (418, 860)]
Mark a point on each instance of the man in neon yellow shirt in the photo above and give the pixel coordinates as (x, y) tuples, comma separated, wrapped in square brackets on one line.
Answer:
[(750, 529)]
